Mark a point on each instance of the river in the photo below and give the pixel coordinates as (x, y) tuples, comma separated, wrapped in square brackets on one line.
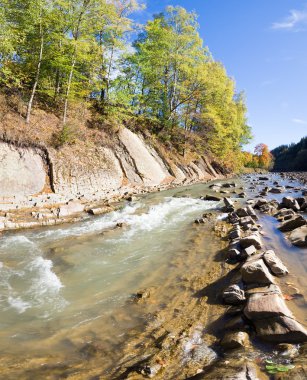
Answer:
[(65, 292)]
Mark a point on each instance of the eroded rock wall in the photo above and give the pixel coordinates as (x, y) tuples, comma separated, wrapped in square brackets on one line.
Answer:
[(22, 171), (91, 172)]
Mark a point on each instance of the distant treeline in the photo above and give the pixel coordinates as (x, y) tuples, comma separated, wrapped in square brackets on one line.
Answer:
[(291, 157)]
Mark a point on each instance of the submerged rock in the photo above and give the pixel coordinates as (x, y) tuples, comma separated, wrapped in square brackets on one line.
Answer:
[(232, 340)]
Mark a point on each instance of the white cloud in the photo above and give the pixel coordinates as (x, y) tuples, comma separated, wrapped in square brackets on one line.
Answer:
[(299, 121), (297, 20)]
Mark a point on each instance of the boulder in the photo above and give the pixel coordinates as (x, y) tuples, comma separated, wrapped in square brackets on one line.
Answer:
[(234, 340), (256, 272), (253, 239), (233, 295), (298, 237), (292, 224), (266, 305), (233, 254), (260, 202), (289, 202), (229, 206), (275, 264), (235, 234), (241, 212), (280, 329), (284, 212)]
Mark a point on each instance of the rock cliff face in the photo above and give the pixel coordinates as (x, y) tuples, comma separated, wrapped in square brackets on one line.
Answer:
[(36, 177)]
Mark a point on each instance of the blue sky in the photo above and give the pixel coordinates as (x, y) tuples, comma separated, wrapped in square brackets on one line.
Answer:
[(263, 45)]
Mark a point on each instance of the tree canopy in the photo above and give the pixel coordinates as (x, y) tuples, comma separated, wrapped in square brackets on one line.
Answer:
[(77, 50)]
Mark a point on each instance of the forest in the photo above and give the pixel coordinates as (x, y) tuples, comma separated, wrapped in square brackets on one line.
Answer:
[(56, 53), (291, 157)]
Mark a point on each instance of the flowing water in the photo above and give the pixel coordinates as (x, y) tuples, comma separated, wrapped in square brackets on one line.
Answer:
[(63, 287), (57, 284)]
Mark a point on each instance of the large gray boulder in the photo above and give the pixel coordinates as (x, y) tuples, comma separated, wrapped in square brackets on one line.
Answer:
[(256, 272), (275, 264), (298, 237), (292, 224)]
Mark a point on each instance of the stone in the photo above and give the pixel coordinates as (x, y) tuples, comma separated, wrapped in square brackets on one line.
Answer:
[(266, 305), (298, 237), (233, 295), (260, 202), (249, 251), (199, 221), (233, 340), (212, 198), (256, 272), (234, 254), (284, 212), (292, 224), (229, 206), (275, 264), (287, 350), (235, 234), (280, 329), (277, 190), (264, 178), (241, 212), (289, 202), (72, 207), (253, 239), (229, 185), (98, 210), (251, 212)]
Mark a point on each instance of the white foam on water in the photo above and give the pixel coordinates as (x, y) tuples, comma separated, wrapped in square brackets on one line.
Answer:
[(45, 280), (15, 240), (164, 215), (18, 304), (91, 225)]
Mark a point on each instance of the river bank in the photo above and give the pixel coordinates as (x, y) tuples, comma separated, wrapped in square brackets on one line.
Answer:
[(44, 186), (173, 325)]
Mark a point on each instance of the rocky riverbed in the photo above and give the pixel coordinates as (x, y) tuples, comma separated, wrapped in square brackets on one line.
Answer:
[(227, 300)]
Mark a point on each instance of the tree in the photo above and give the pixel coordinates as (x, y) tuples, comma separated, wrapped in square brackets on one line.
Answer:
[(264, 156)]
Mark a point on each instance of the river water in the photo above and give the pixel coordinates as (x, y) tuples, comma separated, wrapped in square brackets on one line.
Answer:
[(58, 284), (64, 287)]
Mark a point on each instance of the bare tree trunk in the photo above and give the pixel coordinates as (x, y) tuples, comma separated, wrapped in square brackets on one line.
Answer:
[(68, 88), (109, 73), (29, 108)]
